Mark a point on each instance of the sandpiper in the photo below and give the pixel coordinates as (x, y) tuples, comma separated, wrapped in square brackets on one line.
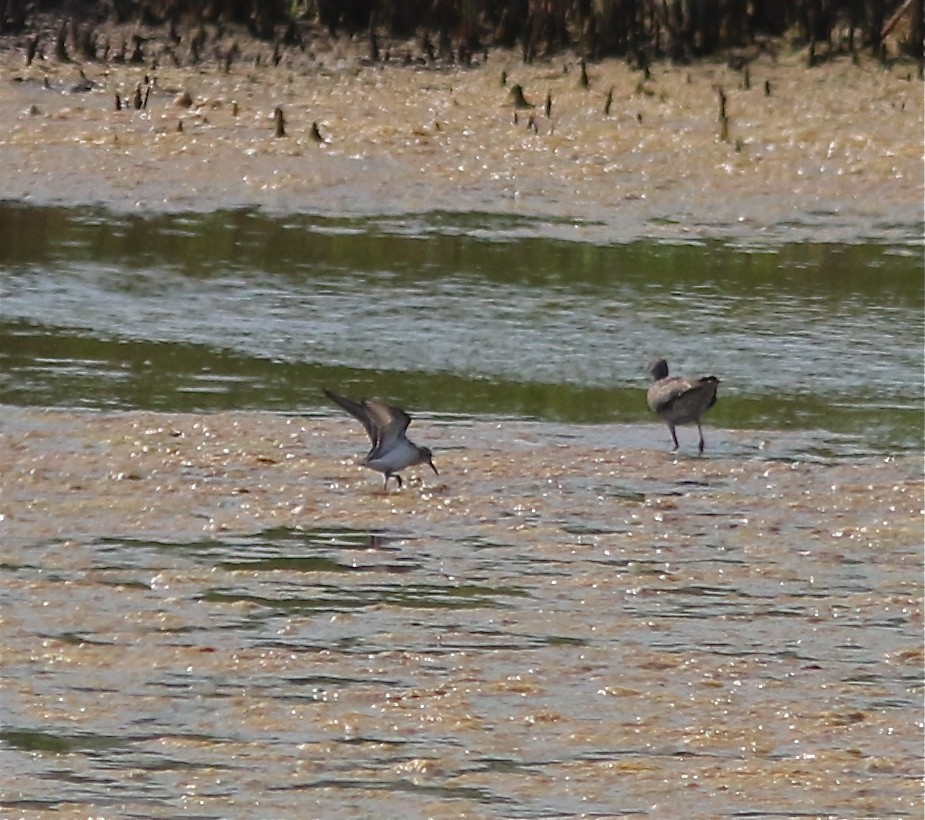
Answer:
[(679, 399), (385, 425)]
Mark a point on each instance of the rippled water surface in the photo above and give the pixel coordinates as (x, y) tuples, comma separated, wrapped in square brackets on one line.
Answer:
[(209, 610), (240, 310), (221, 614)]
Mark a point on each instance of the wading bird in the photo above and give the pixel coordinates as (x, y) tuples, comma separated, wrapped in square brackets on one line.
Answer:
[(680, 399), (385, 425)]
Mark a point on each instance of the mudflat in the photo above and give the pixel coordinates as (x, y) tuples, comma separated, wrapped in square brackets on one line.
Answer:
[(825, 153)]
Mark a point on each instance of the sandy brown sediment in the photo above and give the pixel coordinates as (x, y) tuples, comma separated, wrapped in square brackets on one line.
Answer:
[(143, 474), (828, 153), (613, 619)]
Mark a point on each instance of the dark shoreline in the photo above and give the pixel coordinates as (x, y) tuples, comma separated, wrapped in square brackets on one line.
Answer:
[(459, 34)]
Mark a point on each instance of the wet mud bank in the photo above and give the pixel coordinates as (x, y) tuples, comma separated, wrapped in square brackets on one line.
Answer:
[(771, 150)]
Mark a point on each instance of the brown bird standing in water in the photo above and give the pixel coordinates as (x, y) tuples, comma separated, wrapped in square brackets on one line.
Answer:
[(680, 399)]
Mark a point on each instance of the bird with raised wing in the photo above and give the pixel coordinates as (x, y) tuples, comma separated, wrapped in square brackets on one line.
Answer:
[(680, 399), (391, 451)]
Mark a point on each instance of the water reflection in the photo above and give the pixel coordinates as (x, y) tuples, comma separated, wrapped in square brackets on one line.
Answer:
[(239, 310), (556, 630)]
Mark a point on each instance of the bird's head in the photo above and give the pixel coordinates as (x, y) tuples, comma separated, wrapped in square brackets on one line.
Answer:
[(658, 368), (427, 457)]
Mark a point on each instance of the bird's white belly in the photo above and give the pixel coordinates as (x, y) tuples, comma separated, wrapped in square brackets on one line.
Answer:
[(396, 457)]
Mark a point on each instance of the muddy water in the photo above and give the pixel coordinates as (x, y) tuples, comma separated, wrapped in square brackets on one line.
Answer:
[(216, 613), (221, 615)]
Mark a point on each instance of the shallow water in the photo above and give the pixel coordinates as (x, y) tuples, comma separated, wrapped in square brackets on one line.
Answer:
[(221, 615), (242, 310), (209, 610)]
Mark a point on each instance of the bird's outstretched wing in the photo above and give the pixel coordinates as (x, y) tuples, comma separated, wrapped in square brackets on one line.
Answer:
[(360, 413), (383, 422), (390, 421)]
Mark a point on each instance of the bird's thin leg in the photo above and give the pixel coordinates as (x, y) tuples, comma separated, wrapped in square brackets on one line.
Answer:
[(674, 437), (398, 479), (385, 487), (700, 431)]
